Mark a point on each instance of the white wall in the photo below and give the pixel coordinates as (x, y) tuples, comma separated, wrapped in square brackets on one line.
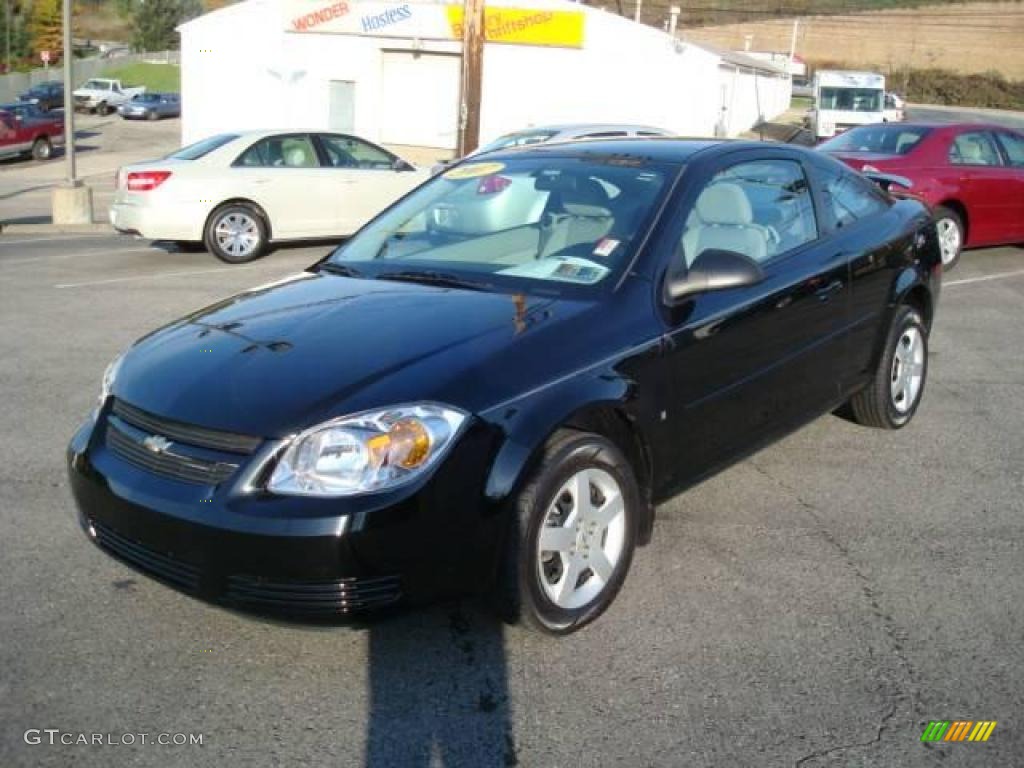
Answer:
[(240, 70), (748, 95)]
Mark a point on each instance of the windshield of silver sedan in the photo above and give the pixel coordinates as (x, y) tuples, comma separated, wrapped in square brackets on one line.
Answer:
[(560, 220)]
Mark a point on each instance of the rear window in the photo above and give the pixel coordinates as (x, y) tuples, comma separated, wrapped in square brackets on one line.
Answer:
[(204, 147), (520, 139), (880, 139)]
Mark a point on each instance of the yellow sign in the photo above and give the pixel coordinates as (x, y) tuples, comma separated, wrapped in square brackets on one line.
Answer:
[(524, 26), (473, 170)]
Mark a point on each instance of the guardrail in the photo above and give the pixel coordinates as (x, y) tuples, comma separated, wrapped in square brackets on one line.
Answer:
[(17, 82)]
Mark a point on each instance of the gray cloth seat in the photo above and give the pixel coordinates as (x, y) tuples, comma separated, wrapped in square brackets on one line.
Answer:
[(723, 219)]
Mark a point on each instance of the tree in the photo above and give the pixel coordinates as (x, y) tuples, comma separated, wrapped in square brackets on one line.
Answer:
[(155, 22), (46, 28)]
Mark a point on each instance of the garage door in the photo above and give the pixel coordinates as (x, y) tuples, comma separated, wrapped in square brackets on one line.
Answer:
[(420, 99)]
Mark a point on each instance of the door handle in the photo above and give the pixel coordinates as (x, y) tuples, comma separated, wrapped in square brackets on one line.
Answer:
[(830, 290)]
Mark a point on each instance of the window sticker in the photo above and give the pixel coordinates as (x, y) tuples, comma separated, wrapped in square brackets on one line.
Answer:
[(473, 171), (605, 247), (568, 269)]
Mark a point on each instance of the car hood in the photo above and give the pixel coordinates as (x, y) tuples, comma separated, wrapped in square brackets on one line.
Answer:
[(283, 357)]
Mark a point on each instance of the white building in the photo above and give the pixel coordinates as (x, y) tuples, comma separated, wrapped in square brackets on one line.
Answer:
[(390, 71)]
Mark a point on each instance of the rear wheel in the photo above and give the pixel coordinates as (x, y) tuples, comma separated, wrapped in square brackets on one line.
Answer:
[(576, 523), (892, 397), (151, 115), (950, 229), (236, 233), (42, 149), (103, 109)]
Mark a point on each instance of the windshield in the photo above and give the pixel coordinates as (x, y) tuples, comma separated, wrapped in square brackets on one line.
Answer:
[(200, 148), (97, 85), (147, 97), (851, 99), (530, 223), (891, 139), (520, 139)]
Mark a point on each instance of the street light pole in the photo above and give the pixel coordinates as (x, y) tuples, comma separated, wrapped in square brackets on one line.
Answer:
[(72, 200), (7, 27), (69, 105)]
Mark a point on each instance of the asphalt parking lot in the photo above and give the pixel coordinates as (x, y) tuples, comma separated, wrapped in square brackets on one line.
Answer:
[(815, 605)]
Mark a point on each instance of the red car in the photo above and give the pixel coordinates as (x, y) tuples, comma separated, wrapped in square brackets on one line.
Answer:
[(25, 131), (971, 174)]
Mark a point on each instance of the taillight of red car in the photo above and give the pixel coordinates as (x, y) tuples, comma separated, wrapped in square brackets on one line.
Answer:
[(492, 185), (146, 181)]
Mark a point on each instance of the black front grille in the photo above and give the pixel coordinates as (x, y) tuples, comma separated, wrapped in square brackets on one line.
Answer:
[(162, 566), (201, 437), (314, 598), (168, 463)]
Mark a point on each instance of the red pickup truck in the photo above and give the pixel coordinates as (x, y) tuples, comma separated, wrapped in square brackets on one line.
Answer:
[(25, 131)]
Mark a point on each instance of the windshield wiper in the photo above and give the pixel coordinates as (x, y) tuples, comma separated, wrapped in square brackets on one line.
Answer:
[(441, 279), (340, 269)]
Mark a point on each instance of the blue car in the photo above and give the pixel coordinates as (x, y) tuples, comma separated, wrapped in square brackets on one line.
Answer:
[(151, 106)]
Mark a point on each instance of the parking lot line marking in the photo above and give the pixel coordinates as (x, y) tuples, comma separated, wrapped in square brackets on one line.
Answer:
[(152, 277), (75, 254), (61, 239), (983, 278)]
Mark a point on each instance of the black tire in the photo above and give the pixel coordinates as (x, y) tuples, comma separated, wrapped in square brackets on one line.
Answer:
[(242, 210), (520, 594), (942, 215), (151, 116), (876, 405), (103, 109), (42, 149)]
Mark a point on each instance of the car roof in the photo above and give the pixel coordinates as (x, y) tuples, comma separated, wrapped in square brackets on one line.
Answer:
[(583, 127), (654, 148), (943, 127)]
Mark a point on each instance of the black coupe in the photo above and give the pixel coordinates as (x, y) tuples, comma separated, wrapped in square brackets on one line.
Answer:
[(494, 383)]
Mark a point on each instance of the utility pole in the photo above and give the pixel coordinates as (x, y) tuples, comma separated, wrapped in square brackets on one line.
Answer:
[(673, 19), (472, 75), (792, 45), (72, 200), (636, 16)]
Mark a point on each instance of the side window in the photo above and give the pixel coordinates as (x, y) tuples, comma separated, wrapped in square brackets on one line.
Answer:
[(850, 198), (1013, 146), (603, 135), (974, 148), (761, 209), (280, 152), (349, 152)]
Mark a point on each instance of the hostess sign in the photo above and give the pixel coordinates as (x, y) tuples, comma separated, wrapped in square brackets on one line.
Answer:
[(434, 21)]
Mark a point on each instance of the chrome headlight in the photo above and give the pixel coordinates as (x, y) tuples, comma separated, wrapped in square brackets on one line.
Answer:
[(109, 377), (366, 452)]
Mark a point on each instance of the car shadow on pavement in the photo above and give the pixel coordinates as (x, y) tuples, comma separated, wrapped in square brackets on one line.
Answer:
[(439, 691)]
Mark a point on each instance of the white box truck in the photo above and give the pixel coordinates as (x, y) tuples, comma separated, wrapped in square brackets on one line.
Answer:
[(844, 99)]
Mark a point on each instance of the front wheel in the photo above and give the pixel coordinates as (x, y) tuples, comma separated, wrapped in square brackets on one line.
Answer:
[(576, 522), (950, 228), (42, 149), (892, 397), (236, 233), (151, 116)]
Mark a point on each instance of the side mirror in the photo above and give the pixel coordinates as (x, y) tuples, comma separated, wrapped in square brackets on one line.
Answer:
[(402, 165), (714, 270)]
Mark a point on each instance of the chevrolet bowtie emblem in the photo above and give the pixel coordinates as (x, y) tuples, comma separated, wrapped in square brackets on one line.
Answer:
[(157, 443)]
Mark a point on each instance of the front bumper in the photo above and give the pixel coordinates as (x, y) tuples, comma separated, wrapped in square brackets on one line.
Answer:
[(299, 557)]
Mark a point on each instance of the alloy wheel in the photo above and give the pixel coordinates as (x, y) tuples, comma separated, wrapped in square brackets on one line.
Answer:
[(949, 239), (907, 370), (581, 539)]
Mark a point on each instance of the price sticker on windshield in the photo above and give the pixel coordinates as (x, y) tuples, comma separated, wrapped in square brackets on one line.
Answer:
[(473, 171)]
